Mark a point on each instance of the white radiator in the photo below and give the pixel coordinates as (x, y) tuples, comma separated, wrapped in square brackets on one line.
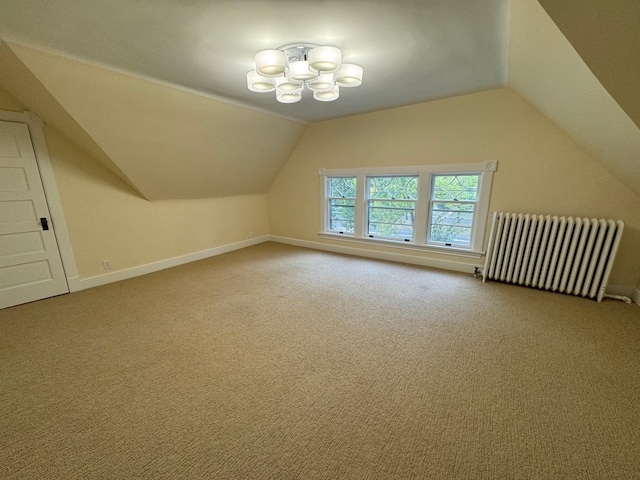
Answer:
[(562, 254)]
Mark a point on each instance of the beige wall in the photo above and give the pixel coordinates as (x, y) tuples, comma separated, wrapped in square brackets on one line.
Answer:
[(107, 220), (8, 103), (541, 170)]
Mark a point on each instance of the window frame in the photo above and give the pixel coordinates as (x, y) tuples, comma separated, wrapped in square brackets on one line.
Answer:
[(419, 240)]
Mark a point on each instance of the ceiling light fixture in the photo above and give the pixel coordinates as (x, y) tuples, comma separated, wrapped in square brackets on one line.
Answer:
[(287, 70)]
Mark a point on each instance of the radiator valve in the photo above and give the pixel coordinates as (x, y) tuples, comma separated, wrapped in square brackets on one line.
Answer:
[(477, 273)]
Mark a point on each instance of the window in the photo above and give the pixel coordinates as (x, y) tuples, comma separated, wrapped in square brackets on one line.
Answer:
[(451, 209), (391, 206), (342, 204), (429, 207)]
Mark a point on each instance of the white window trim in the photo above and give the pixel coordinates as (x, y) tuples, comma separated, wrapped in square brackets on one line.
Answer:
[(419, 240)]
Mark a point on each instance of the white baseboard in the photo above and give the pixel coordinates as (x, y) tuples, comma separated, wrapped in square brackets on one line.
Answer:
[(77, 284), (393, 257), (425, 262)]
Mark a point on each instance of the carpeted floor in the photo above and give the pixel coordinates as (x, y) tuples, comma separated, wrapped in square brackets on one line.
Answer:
[(276, 362)]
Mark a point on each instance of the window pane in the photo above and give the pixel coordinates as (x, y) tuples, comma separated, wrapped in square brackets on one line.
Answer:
[(460, 236), (342, 215), (342, 187), (391, 219), (451, 223), (452, 214), (455, 187), (396, 188)]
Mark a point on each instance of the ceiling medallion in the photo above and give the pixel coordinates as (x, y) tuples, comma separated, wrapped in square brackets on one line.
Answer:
[(287, 70)]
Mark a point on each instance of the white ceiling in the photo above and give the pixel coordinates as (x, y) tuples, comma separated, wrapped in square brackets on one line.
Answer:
[(412, 51)]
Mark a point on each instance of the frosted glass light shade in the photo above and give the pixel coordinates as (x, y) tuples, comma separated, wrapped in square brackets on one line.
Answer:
[(349, 75), (300, 71), (327, 95), (258, 83), (283, 84), (289, 97), (272, 63), (324, 59), (324, 82)]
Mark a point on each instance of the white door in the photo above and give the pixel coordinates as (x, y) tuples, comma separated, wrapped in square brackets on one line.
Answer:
[(30, 264)]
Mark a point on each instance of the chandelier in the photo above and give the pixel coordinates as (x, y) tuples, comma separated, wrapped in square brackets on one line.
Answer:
[(287, 70)]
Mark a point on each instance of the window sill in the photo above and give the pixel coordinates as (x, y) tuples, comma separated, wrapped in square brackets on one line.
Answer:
[(458, 252)]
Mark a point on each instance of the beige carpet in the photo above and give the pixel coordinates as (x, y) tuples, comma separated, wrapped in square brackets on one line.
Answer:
[(277, 362)]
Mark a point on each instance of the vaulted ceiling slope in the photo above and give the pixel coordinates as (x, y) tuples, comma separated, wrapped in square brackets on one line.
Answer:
[(155, 90), (16, 78), (546, 70), (170, 143), (606, 34)]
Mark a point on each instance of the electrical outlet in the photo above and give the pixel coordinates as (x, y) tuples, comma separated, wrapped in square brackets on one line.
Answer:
[(252, 234), (106, 264)]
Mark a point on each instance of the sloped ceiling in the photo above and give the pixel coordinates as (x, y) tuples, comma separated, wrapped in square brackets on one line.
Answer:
[(606, 34), (546, 70), (16, 78), (168, 142), (155, 89)]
